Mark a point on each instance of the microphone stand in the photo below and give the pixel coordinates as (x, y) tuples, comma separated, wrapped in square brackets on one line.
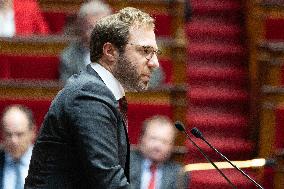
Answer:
[(180, 127), (198, 134)]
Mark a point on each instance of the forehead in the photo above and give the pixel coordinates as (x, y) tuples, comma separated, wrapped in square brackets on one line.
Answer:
[(14, 120), (159, 130), (142, 36)]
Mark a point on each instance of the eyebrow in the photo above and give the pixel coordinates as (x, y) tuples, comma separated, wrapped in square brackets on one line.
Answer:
[(149, 46), (142, 45)]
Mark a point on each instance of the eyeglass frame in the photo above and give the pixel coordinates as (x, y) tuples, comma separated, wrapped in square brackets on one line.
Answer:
[(146, 48)]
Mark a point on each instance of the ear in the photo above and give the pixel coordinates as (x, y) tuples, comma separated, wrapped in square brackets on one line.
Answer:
[(33, 134), (110, 52)]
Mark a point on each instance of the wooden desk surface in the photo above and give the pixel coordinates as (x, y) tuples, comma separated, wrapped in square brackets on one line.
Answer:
[(34, 45), (48, 90)]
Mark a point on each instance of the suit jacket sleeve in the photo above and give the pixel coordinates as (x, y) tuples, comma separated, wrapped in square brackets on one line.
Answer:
[(96, 134), (183, 179)]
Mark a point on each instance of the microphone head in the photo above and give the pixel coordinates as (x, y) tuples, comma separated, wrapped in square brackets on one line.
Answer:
[(179, 125), (196, 132), (270, 162)]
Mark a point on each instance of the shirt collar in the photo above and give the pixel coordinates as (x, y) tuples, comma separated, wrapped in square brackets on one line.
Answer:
[(147, 163), (111, 82), (24, 160)]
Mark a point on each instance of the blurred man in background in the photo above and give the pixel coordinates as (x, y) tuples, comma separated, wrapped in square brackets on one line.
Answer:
[(21, 18), (76, 56), (150, 165), (18, 132)]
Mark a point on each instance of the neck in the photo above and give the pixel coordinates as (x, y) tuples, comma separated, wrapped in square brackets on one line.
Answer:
[(107, 66)]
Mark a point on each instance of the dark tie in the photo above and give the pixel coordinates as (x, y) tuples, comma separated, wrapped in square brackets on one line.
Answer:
[(123, 108), (152, 182)]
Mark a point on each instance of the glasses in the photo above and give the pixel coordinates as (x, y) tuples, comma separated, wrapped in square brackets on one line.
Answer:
[(148, 51)]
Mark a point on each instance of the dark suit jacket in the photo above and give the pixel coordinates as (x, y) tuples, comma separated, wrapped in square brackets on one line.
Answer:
[(72, 60), (172, 175), (2, 161), (83, 141)]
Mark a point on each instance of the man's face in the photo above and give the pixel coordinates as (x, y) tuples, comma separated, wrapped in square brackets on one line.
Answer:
[(17, 135), (157, 142), (135, 66)]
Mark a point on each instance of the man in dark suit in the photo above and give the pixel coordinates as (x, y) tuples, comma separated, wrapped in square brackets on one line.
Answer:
[(18, 132), (83, 141), (151, 167)]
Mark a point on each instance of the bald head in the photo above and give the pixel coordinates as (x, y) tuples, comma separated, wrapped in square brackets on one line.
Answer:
[(17, 130), (157, 138)]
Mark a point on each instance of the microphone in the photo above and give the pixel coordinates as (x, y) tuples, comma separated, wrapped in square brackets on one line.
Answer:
[(181, 128), (198, 134)]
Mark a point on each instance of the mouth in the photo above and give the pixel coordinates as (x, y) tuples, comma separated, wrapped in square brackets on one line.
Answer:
[(145, 77)]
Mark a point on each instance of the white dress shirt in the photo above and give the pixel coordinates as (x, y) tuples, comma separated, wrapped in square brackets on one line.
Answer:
[(111, 82), (9, 172), (146, 175), (87, 58)]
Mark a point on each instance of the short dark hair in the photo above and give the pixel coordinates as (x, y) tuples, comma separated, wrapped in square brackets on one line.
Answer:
[(28, 113), (115, 30)]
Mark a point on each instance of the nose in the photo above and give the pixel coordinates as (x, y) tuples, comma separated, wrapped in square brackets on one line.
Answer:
[(14, 139), (153, 62)]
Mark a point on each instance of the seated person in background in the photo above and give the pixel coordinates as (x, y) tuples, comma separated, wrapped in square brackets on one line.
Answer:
[(18, 132), (150, 165), (21, 18), (76, 56)]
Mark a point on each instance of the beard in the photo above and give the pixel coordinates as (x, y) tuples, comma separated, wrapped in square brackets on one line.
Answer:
[(127, 74)]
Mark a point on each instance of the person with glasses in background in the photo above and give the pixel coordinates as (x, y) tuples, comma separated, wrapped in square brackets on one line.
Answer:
[(151, 166), (18, 132), (83, 142)]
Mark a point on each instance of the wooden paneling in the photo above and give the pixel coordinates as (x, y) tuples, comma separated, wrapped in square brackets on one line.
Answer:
[(266, 57), (270, 60), (72, 6), (272, 98), (34, 45)]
